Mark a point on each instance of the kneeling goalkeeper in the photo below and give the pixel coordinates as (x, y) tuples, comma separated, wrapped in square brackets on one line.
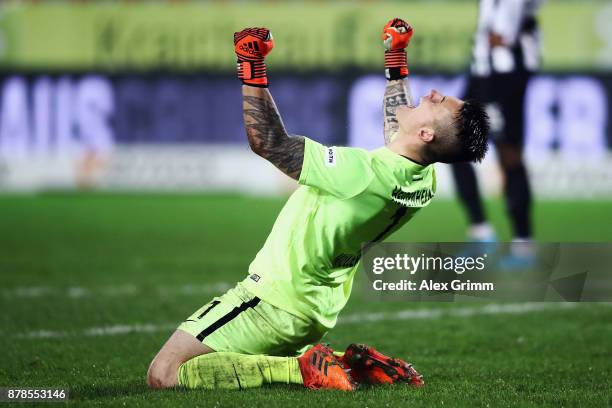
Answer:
[(302, 277)]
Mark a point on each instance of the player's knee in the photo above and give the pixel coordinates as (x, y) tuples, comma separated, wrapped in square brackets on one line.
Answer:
[(160, 376)]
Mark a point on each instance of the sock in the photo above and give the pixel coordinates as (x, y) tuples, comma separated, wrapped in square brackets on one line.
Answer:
[(467, 188), (518, 200), (234, 371)]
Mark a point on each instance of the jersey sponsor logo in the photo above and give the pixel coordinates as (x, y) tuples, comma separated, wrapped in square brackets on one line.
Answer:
[(330, 160), (418, 198), (346, 260)]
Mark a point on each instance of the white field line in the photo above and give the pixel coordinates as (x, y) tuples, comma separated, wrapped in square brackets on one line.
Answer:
[(79, 292), (491, 309), (407, 314)]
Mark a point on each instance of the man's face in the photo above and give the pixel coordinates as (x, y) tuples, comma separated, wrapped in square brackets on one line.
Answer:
[(433, 108)]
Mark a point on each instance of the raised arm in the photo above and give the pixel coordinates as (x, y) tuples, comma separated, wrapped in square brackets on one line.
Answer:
[(396, 37), (396, 94), (266, 132), (264, 127)]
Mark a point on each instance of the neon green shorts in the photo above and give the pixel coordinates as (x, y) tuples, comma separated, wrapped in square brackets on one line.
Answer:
[(240, 322)]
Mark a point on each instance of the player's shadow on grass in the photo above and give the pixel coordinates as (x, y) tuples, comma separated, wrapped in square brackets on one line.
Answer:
[(97, 391)]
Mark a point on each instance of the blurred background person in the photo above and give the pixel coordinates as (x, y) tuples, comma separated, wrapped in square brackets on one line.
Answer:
[(506, 54)]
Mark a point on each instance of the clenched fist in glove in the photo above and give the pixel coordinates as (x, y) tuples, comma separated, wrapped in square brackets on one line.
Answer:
[(396, 36), (251, 46)]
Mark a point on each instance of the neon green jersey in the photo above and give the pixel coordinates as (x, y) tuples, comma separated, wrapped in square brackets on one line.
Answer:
[(348, 197)]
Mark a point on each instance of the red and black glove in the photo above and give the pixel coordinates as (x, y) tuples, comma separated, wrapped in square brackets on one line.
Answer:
[(396, 36), (251, 46)]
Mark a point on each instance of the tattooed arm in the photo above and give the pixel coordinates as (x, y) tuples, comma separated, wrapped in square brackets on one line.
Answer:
[(396, 94), (266, 132)]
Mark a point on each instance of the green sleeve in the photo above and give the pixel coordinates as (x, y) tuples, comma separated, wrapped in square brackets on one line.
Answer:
[(340, 171)]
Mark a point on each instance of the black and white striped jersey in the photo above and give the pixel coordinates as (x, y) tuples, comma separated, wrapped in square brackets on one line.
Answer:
[(516, 22)]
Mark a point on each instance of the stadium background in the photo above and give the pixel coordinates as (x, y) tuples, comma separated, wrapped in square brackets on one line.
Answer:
[(123, 96), (129, 197)]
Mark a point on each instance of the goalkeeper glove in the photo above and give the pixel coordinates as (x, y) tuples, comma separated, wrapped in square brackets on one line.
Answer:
[(396, 36), (251, 46)]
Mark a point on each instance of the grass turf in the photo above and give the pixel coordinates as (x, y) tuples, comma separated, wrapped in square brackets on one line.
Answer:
[(153, 245)]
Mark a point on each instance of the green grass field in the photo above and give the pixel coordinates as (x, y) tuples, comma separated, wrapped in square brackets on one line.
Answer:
[(93, 284)]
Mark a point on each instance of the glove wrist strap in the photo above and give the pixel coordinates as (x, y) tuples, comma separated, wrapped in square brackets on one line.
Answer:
[(396, 64), (252, 73)]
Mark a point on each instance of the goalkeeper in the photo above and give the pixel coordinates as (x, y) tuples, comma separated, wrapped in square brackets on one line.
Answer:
[(302, 277)]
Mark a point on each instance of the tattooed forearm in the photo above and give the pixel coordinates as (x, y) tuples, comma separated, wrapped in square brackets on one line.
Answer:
[(396, 94), (267, 135)]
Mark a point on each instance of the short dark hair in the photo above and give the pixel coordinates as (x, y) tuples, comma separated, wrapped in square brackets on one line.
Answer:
[(463, 138), (472, 124)]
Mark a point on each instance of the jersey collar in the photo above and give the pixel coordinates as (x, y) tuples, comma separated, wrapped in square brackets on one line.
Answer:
[(401, 160)]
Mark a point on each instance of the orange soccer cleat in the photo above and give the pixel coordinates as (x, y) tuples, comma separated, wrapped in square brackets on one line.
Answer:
[(372, 367), (320, 369)]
